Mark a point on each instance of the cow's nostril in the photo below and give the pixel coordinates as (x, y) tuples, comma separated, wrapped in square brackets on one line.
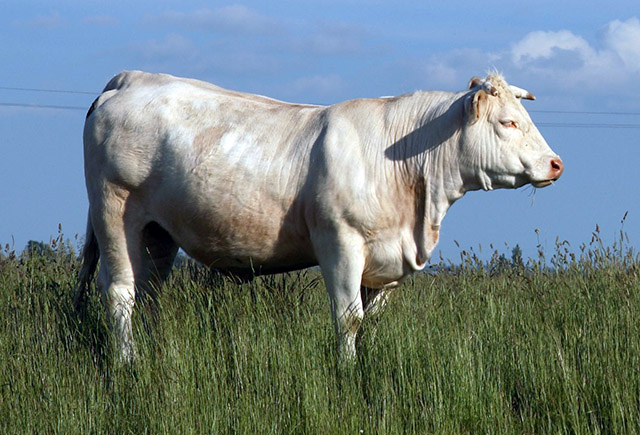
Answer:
[(557, 167)]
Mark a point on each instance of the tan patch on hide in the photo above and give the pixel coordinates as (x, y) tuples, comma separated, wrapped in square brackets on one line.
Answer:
[(434, 236), (431, 236), (205, 140)]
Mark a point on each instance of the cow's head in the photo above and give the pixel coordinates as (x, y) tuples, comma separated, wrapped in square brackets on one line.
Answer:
[(501, 146)]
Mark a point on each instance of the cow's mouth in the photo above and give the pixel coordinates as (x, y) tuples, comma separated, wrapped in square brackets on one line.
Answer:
[(543, 183)]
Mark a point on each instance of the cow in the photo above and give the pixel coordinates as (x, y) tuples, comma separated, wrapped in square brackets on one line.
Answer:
[(251, 185)]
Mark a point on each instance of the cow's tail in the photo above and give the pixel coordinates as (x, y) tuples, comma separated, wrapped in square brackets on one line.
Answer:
[(118, 82), (90, 256)]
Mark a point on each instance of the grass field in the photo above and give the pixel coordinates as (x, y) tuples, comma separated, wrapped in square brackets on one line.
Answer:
[(548, 345)]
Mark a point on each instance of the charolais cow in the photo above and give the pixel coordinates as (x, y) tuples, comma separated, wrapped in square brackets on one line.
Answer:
[(251, 185)]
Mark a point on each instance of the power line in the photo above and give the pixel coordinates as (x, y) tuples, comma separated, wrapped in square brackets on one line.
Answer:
[(573, 112), (584, 125), (582, 112), (44, 90), (539, 124), (68, 91), (43, 106), (57, 91)]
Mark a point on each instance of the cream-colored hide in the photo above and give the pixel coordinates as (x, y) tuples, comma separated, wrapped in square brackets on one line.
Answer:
[(251, 185)]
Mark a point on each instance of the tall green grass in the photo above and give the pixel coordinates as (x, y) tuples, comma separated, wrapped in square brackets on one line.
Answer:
[(500, 346)]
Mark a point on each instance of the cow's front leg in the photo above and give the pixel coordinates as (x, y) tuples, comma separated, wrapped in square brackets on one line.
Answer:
[(342, 262), (374, 300)]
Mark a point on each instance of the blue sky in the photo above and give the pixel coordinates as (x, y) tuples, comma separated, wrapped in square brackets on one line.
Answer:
[(577, 59)]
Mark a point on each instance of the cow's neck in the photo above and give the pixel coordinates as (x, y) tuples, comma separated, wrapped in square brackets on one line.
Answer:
[(430, 167)]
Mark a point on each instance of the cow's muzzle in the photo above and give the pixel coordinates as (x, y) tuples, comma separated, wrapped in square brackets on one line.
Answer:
[(556, 168)]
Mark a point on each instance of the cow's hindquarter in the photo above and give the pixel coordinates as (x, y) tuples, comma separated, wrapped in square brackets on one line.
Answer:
[(116, 216)]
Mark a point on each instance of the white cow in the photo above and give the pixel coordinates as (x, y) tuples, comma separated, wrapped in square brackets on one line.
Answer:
[(251, 185)]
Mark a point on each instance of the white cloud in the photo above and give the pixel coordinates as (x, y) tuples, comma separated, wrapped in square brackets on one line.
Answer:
[(50, 21), (545, 45), (442, 73), (307, 36), (242, 62), (322, 87), (623, 39), (450, 70), (330, 39), (231, 19), (101, 20), (330, 43), (568, 58), (556, 60), (171, 46)]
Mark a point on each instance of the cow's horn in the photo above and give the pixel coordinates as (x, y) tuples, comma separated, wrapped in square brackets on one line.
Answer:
[(489, 88), (521, 93)]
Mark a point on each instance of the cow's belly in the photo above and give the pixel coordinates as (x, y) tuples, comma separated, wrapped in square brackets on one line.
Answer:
[(257, 249), (238, 232)]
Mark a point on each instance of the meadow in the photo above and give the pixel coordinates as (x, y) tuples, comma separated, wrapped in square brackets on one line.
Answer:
[(504, 345)]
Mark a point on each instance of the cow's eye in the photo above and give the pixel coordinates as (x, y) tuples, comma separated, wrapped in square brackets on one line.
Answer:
[(509, 123)]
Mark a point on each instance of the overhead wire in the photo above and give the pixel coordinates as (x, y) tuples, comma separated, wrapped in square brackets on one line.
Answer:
[(540, 124), (58, 91), (584, 112), (585, 125), (44, 90), (42, 106)]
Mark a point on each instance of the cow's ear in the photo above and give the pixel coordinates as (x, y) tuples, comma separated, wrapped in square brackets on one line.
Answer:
[(475, 82), (476, 101), (474, 104)]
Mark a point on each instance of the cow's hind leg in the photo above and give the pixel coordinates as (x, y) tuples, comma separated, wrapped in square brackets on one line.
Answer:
[(117, 232), (158, 252), (373, 303), (374, 300)]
